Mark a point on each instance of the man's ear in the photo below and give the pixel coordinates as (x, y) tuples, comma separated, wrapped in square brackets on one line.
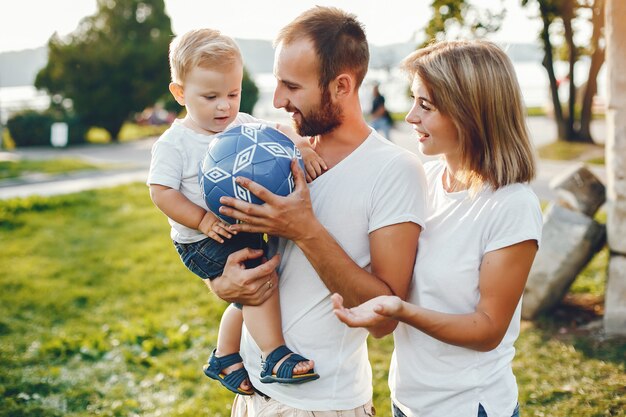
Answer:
[(178, 93), (342, 86)]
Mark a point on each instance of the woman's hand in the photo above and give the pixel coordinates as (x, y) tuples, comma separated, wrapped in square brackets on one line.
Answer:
[(370, 314), (246, 286), (290, 217)]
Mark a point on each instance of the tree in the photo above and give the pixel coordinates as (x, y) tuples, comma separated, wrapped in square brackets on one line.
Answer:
[(113, 65), (459, 18), (559, 18), (249, 93)]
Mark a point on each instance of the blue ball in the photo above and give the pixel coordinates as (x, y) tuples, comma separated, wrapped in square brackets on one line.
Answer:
[(253, 150)]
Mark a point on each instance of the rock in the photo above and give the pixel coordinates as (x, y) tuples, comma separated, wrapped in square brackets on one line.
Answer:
[(569, 240), (615, 298), (580, 190)]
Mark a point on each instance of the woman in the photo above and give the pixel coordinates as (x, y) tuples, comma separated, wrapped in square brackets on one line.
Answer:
[(454, 342)]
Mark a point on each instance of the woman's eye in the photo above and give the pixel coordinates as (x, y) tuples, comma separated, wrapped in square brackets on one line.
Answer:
[(425, 105)]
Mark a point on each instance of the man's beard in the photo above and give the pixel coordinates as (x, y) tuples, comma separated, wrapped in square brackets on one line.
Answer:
[(321, 120)]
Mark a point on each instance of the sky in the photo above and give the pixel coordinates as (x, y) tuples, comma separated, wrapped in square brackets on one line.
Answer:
[(28, 24)]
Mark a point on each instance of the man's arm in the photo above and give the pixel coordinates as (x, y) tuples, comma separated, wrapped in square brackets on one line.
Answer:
[(393, 248), (503, 275)]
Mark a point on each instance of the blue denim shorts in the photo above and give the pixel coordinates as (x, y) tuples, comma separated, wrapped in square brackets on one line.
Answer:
[(207, 258), (481, 411)]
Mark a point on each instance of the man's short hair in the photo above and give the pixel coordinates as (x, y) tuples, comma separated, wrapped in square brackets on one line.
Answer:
[(206, 48), (338, 39)]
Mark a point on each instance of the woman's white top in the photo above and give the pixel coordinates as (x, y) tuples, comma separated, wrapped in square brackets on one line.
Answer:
[(429, 378)]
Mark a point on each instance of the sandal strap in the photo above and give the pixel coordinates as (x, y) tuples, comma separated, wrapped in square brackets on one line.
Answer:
[(272, 359), (235, 378), (285, 370), (224, 361)]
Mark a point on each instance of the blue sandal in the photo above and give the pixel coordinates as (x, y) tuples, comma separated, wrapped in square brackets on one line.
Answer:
[(232, 381), (285, 373)]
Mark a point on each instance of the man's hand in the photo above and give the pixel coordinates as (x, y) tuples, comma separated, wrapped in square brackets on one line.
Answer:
[(213, 227), (290, 217), (246, 286)]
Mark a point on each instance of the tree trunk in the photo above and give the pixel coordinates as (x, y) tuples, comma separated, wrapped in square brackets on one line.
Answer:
[(615, 148), (114, 129), (548, 63), (567, 16), (597, 60)]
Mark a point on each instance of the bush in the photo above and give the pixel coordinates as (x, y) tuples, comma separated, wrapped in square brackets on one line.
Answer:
[(32, 128)]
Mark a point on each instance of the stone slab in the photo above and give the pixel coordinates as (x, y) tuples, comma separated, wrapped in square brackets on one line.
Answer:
[(569, 240)]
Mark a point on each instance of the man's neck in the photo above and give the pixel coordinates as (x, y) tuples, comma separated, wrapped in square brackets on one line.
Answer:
[(333, 147)]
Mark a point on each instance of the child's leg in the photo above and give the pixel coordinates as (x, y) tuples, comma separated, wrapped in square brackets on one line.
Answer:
[(229, 335), (229, 339), (264, 324)]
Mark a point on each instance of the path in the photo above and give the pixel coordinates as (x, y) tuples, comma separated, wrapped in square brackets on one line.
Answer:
[(134, 161)]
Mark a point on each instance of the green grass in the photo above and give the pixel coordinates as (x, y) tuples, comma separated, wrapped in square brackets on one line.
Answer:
[(16, 169), (537, 111), (572, 151), (99, 317), (129, 132)]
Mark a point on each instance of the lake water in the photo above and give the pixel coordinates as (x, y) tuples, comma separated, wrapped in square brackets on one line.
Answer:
[(393, 85)]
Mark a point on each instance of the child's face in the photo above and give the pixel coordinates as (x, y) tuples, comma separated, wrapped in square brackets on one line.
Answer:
[(212, 98)]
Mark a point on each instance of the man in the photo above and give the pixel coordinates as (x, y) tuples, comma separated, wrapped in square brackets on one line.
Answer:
[(354, 232), (381, 119)]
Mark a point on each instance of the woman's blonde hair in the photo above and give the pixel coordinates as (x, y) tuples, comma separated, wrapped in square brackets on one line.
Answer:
[(206, 48), (474, 83)]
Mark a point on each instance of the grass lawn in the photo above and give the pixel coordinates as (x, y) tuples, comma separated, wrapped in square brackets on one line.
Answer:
[(572, 151), (15, 169), (99, 317), (129, 132)]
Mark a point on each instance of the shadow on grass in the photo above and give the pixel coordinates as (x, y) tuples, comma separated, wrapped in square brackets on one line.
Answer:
[(577, 321)]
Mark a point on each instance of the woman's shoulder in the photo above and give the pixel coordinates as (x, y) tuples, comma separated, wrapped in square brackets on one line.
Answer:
[(516, 192)]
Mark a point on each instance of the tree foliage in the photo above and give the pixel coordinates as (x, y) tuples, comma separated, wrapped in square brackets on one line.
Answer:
[(113, 64), (560, 18), (249, 93), (459, 18)]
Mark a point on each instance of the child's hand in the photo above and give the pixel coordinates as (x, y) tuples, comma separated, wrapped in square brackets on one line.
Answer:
[(213, 227), (314, 165)]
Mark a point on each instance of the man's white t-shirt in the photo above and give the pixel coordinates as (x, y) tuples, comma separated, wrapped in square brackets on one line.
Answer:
[(176, 158), (429, 378), (377, 185)]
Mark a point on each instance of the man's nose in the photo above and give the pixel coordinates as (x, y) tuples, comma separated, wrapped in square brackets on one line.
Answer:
[(280, 100)]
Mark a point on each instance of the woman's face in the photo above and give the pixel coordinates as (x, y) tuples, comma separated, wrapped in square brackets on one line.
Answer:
[(436, 132)]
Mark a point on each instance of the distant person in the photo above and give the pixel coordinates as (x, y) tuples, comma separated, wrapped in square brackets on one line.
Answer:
[(380, 118), (207, 71), (354, 230), (454, 340)]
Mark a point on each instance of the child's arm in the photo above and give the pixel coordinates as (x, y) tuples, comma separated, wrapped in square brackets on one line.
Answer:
[(178, 208), (313, 163)]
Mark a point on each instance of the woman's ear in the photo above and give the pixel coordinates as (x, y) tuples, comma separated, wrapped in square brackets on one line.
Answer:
[(178, 93)]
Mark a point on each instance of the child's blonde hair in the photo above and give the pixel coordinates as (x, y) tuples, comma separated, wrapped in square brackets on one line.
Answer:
[(474, 83), (206, 48)]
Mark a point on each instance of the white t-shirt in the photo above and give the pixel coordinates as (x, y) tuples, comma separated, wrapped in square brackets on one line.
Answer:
[(176, 157), (429, 378), (377, 185)]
